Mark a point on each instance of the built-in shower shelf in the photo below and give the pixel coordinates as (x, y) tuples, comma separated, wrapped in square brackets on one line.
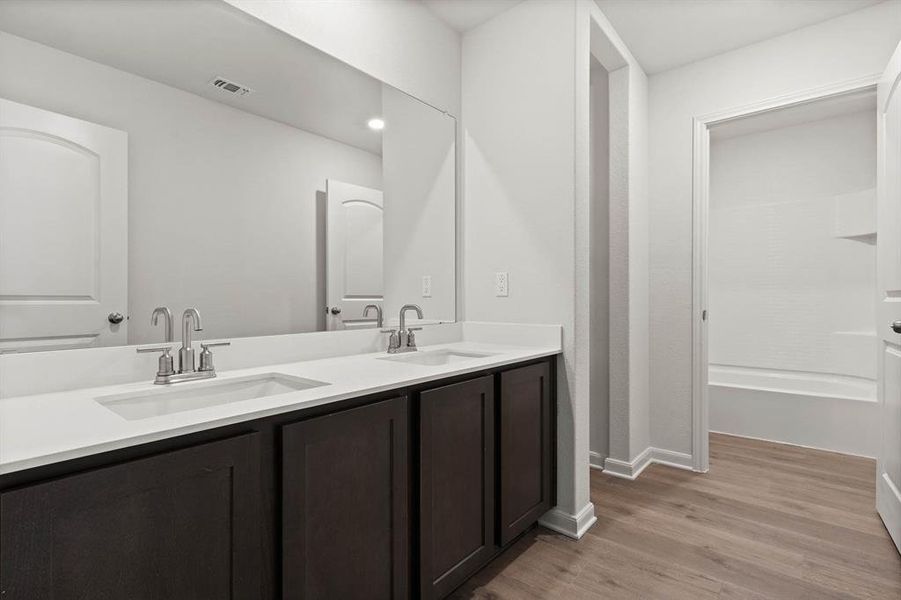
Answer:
[(855, 216), (866, 238)]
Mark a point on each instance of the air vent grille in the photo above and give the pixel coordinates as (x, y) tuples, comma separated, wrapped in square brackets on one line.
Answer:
[(230, 87)]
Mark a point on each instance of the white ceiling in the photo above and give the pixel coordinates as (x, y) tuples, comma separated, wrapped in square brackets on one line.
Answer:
[(187, 43), (463, 15), (663, 34)]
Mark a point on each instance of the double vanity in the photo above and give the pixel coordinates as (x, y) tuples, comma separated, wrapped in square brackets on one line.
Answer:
[(363, 475)]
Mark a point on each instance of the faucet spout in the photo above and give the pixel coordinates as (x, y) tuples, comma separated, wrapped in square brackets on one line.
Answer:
[(190, 320), (403, 312), (378, 313), (167, 314)]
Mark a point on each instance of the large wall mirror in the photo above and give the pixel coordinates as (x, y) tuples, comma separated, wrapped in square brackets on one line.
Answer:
[(183, 154)]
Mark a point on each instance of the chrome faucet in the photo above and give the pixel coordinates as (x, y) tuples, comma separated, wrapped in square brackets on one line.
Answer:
[(378, 313), (404, 340), (186, 352), (190, 322), (167, 314)]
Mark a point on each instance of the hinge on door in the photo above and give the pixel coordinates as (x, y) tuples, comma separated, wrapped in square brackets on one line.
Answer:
[(704, 315)]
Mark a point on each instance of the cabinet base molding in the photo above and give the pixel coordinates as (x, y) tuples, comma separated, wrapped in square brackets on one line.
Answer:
[(573, 526)]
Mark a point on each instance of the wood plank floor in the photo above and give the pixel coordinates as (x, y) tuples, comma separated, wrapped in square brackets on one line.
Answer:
[(768, 521)]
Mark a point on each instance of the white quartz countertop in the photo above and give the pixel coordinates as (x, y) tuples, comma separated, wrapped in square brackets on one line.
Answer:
[(47, 428)]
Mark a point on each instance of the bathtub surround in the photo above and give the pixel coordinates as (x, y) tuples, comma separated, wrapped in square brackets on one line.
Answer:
[(847, 48)]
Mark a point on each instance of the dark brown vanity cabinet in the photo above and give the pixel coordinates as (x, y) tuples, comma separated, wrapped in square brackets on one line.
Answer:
[(525, 447), (456, 484), (486, 470), (345, 504), (403, 494), (182, 524)]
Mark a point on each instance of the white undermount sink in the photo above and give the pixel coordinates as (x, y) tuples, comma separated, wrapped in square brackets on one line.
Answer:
[(134, 406), (436, 357)]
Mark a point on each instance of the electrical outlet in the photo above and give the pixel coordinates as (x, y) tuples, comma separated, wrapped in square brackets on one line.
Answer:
[(426, 286), (501, 284)]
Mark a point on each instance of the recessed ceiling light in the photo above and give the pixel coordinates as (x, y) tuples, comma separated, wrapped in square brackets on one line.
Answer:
[(376, 124)]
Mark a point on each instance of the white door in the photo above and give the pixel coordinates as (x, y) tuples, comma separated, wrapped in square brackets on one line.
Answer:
[(63, 231), (888, 325), (353, 253)]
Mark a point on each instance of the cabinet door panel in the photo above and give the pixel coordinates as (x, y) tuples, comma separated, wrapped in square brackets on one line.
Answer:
[(456, 484), (183, 524), (525, 448), (345, 512)]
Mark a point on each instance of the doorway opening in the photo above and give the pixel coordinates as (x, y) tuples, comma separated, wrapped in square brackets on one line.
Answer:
[(785, 274)]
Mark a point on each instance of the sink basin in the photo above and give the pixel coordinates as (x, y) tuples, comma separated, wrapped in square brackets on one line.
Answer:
[(436, 357), (135, 406)]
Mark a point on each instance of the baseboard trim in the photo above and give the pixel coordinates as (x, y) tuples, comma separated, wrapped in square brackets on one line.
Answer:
[(650, 455), (628, 469), (573, 526), (595, 460)]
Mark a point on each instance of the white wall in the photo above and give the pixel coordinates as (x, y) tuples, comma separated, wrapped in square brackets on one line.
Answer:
[(599, 385), (519, 193), (235, 195), (527, 197), (419, 206), (842, 49), (627, 276)]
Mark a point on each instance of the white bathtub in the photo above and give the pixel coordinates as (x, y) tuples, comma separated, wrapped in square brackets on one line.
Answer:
[(831, 412)]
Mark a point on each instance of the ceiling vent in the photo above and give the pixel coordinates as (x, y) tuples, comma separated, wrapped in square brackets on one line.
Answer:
[(230, 87)]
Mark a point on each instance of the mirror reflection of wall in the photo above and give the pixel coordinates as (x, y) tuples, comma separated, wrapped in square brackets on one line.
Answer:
[(190, 164)]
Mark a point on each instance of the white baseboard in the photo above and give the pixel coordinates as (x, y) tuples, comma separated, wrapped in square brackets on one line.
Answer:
[(628, 469), (573, 526), (650, 455), (595, 460)]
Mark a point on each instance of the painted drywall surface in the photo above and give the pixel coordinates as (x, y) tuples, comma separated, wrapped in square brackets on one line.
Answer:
[(628, 241), (599, 318), (782, 287), (518, 106), (400, 42), (528, 198), (419, 206), (180, 146), (639, 302), (846, 48)]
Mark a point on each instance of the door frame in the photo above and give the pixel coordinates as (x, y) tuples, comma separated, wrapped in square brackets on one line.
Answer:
[(700, 207)]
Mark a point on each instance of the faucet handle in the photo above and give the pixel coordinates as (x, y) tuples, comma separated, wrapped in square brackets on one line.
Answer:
[(166, 349), (206, 357), (214, 344), (393, 339), (165, 367)]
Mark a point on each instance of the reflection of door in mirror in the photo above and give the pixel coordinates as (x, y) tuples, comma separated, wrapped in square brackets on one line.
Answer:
[(353, 254), (63, 231)]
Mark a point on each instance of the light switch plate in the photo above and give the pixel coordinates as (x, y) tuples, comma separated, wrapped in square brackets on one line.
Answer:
[(426, 286), (501, 284)]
